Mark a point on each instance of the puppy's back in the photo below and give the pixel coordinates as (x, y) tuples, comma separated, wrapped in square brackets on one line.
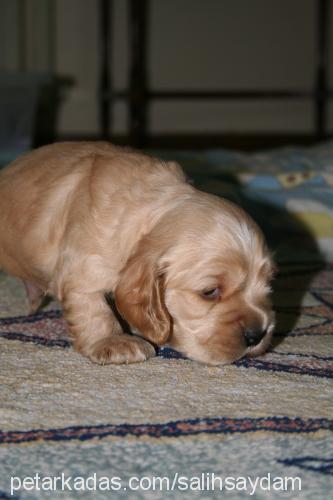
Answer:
[(45, 190)]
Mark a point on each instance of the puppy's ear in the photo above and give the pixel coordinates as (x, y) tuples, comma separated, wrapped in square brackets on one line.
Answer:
[(139, 296)]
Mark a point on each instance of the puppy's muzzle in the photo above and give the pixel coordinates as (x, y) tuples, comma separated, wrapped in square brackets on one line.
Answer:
[(253, 336)]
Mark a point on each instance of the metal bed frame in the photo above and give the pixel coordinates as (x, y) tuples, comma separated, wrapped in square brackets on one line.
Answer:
[(139, 95)]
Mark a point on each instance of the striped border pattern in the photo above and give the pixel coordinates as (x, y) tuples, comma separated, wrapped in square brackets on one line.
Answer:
[(180, 428)]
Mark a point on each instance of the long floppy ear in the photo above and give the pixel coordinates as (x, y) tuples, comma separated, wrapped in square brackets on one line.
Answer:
[(139, 296)]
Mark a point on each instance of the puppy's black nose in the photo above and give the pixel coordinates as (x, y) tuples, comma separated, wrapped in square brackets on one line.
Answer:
[(253, 336)]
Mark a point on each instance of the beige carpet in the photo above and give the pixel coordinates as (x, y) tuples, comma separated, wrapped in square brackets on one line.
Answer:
[(61, 413)]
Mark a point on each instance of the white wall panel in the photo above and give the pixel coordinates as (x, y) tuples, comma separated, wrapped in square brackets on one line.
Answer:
[(233, 44)]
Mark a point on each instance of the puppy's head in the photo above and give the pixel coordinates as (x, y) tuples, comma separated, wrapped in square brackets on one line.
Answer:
[(200, 283)]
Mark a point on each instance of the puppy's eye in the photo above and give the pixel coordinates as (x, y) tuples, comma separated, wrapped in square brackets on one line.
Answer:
[(211, 294)]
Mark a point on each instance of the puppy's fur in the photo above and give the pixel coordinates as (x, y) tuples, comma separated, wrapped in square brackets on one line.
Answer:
[(188, 269)]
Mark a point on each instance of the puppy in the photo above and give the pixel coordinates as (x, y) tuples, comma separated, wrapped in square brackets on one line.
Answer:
[(80, 220)]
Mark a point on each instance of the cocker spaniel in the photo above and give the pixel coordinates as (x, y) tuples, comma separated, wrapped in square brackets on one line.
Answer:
[(185, 268)]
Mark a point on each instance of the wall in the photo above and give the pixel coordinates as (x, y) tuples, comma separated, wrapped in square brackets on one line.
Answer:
[(195, 44)]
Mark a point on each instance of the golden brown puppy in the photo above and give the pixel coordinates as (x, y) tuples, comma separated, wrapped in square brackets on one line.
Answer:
[(188, 269)]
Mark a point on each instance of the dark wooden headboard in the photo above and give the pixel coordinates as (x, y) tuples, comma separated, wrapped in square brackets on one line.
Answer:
[(139, 94)]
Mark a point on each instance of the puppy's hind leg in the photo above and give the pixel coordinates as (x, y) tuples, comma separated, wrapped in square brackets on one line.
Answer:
[(97, 334), (36, 296)]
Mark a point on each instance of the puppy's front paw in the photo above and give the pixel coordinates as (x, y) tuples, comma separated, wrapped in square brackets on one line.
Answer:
[(120, 349)]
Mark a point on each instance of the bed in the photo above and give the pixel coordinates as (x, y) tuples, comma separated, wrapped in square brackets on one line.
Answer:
[(266, 416), (288, 191)]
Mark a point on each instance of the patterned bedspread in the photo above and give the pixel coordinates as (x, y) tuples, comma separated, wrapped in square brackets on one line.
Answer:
[(288, 191)]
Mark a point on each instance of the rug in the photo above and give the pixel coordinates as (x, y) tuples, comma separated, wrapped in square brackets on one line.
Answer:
[(169, 427)]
